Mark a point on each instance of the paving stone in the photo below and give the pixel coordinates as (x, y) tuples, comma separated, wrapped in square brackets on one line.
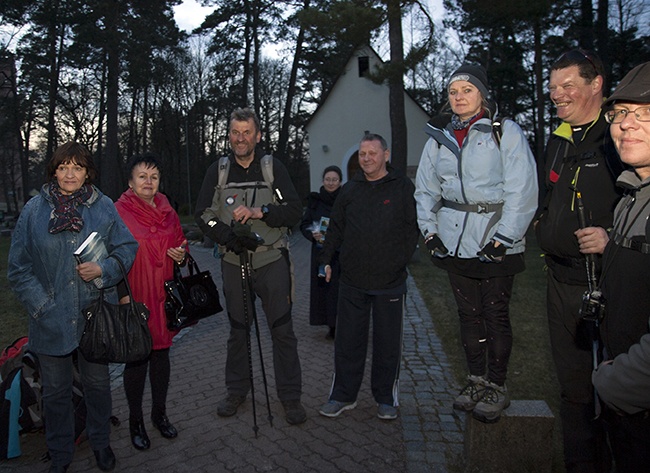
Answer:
[(424, 438)]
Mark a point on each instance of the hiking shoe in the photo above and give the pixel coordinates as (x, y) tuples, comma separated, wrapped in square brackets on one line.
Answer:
[(470, 394), (227, 407), (493, 401), (333, 408), (294, 412), (386, 411)]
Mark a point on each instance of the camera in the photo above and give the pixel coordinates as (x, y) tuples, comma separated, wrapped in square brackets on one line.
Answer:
[(592, 312), (593, 306)]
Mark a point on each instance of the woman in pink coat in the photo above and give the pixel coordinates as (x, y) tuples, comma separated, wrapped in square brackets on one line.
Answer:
[(156, 227)]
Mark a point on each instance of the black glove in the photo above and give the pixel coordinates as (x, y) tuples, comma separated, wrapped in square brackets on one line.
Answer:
[(491, 253), (436, 247), (233, 244), (246, 237)]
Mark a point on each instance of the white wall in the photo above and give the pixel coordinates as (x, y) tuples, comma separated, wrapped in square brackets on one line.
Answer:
[(356, 105)]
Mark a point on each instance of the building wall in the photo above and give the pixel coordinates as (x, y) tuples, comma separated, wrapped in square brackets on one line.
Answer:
[(354, 106)]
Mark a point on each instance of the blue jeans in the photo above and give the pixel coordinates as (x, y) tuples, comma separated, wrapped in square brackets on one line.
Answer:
[(57, 374)]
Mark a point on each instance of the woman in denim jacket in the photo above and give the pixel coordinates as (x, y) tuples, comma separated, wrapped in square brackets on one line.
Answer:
[(54, 289)]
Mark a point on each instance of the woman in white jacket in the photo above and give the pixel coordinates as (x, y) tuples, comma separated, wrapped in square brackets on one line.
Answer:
[(476, 193)]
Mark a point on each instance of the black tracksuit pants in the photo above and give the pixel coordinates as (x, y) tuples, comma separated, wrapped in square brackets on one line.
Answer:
[(355, 309)]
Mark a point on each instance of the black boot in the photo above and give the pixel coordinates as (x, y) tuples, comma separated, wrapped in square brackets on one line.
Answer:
[(139, 437), (161, 422), (59, 468), (105, 458)]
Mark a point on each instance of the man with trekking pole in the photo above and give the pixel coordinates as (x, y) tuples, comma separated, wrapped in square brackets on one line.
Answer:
[(246, 204)]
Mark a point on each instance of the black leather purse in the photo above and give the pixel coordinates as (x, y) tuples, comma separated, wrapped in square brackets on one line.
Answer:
[(190, 298), (116, 333)]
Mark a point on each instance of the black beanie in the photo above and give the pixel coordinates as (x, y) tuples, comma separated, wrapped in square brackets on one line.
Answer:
[(475, 75)]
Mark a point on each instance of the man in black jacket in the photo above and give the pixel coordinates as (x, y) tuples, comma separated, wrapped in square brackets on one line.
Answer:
[(238, 199), (374, 224), (577, 168)]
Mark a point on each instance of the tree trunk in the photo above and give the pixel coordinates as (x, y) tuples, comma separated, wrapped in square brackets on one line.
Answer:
[(110, 168), (399, 141), (247, 56), (55, 39), (602, 40), (586, 24), (283, 139), (256, 57)]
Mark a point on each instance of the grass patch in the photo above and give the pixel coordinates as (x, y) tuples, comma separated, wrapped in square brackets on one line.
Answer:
[(13, 317), (531, 372)]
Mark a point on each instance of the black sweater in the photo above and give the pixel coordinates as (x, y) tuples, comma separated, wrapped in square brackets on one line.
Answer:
[(374, 225)]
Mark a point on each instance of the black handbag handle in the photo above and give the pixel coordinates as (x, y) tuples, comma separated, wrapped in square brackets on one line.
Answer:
[(134, 309), (192, 266)]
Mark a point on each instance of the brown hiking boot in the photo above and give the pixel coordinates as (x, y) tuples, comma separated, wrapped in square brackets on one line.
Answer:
[(227, 407), (295, 413)]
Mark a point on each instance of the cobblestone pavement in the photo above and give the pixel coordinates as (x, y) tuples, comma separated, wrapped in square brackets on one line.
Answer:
[(426, 437)]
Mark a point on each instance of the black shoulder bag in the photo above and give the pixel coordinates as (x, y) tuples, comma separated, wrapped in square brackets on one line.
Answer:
[(116, 333)]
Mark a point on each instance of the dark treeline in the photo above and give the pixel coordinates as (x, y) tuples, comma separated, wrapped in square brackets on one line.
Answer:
[(120, 77)]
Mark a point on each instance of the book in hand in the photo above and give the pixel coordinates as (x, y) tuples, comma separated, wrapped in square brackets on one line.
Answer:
[(92, 249)]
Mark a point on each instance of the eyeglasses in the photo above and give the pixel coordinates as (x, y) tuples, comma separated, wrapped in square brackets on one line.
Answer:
[(642, 114), (331, 179)]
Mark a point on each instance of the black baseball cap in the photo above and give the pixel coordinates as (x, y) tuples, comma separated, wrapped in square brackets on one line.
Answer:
[(635, 87)]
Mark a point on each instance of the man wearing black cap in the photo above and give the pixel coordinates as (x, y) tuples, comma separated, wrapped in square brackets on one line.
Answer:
[(577, 169), (624, 383)]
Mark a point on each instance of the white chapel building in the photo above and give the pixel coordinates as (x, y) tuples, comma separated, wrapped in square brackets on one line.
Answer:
[(356, 105)]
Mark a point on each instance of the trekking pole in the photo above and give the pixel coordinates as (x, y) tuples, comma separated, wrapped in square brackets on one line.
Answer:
[(592, 299), (591, 260), (243, 263), (259, 342)]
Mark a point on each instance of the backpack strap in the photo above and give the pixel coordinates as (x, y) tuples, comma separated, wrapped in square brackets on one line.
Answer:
[(497, 131), (224, 169), (266, 164), (267, 169)]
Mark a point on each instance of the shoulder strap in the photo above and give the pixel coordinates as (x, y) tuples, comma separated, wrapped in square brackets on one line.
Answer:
[(224, 169), (267, 169), (497, 131)]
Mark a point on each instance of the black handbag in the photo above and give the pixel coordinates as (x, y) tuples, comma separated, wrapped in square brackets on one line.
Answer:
[(190, 298), (116, 333)]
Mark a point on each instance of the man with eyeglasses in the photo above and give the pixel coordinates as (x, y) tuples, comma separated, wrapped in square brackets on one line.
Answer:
[(623, 385), (576, 178)]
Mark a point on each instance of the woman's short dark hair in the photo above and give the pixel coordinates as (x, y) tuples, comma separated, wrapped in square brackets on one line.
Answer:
[(150, 160), (335, 169), (72, 152)]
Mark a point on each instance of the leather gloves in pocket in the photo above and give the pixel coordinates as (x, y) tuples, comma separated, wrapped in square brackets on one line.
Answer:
[(492, 254), (436, 247)]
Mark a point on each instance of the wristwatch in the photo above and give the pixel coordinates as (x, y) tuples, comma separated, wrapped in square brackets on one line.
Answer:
[(265, 212)]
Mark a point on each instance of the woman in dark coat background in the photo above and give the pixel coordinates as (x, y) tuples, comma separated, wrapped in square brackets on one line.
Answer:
[(323, 295)]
